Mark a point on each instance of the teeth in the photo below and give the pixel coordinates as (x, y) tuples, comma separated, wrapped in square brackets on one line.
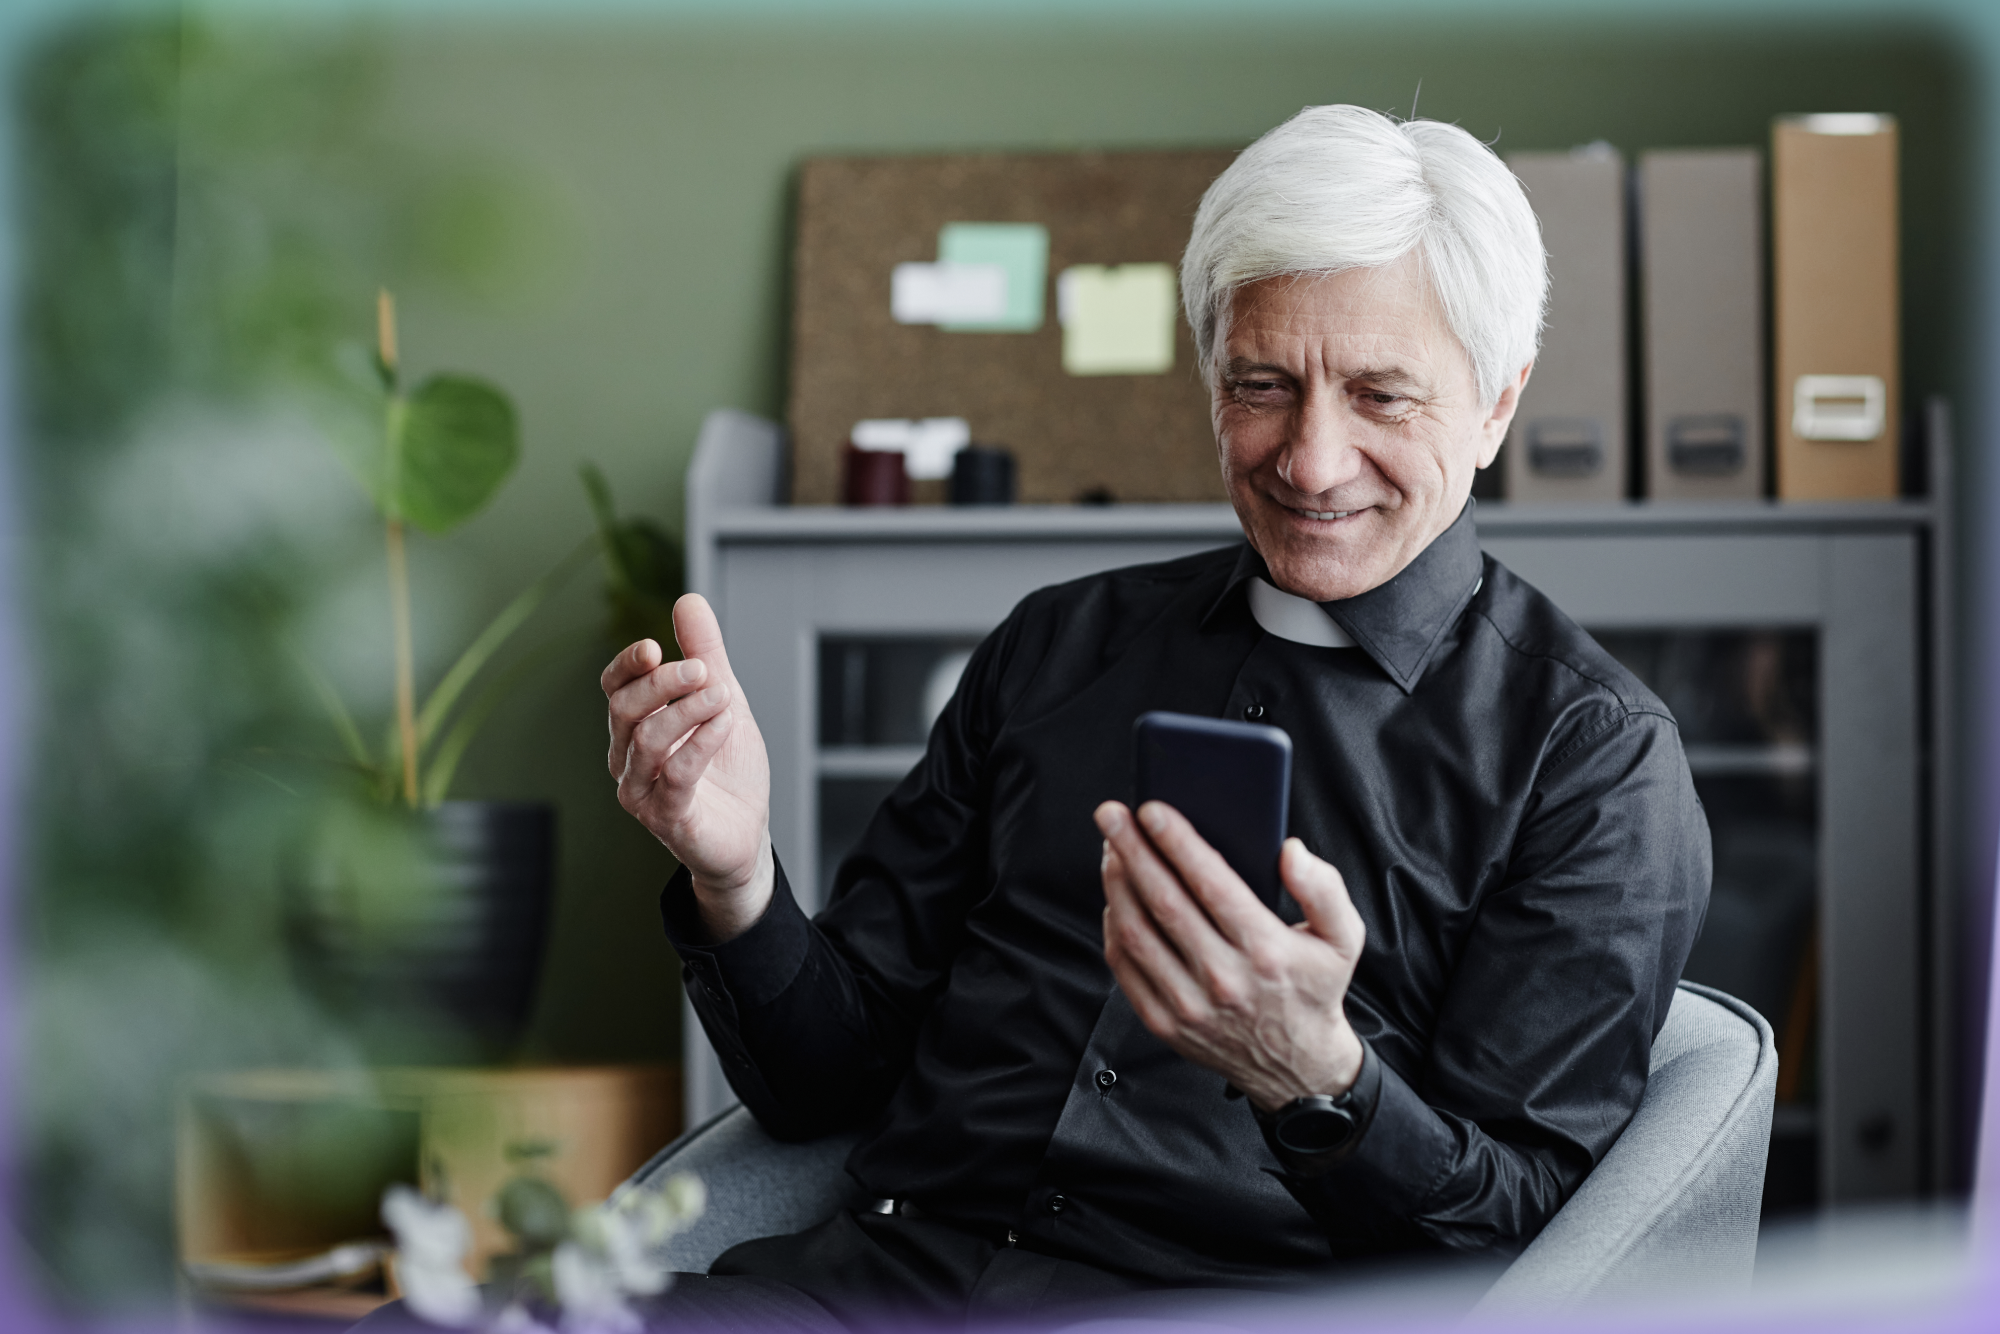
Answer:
[(1326, 514)]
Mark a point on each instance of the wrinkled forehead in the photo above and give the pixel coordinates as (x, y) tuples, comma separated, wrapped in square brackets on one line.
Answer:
[(1389, 317)]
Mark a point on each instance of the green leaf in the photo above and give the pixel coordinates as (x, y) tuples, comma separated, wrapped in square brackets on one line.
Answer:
[(648, 559), (443, 766), (599, 492), (388, 775), (336, 711), (348, 406), (498, 631), (452, 445), (642, 566)]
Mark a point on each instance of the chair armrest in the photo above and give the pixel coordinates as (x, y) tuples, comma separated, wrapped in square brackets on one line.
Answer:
[(1677, 1197), (757, 1186)]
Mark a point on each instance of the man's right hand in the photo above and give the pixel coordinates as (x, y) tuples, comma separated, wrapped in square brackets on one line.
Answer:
[(690, 764)]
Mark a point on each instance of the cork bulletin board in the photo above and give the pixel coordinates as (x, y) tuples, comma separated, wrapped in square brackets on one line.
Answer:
[(1136, 437)]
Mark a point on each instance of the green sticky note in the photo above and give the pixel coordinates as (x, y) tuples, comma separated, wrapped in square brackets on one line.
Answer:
[(1117, 319), (1021, 248)]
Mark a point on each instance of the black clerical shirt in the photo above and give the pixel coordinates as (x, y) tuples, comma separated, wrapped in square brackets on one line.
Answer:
[(1515, 821)]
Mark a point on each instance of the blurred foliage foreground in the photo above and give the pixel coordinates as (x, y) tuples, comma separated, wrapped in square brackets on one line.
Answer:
[(205, 220)]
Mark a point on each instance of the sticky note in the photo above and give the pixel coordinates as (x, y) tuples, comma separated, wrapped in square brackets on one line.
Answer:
[(1117, 319), (948, 293), (1020, 248)]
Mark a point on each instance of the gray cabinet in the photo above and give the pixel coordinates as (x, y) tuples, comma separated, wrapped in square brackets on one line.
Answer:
[(1789, 640)]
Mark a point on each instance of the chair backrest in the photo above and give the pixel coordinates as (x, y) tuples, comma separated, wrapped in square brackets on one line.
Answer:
[(1676, 1197)]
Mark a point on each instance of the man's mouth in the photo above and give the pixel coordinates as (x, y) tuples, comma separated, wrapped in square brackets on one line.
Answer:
[(1323, 514)]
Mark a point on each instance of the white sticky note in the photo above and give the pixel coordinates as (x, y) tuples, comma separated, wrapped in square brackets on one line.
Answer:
[(947, 292), (1117, 319), (928, 446)]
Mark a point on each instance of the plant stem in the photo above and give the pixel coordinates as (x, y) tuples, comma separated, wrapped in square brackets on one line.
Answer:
[(399, 565), (385, 328), (406, 687)]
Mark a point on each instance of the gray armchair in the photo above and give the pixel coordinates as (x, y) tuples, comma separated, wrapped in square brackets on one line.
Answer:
[(1676, 1198)]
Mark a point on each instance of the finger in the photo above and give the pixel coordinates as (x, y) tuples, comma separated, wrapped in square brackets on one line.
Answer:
[(655, 737), (1153, 1012), (665, 791), (689, 761), (1321, 892), (1159, 890), (634, 662), (638, 700), (1237, 912), (1130, 929), (700, 635)]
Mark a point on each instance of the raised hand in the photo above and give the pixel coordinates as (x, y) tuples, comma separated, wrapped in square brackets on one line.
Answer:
[(690, 765), (1217, 975)]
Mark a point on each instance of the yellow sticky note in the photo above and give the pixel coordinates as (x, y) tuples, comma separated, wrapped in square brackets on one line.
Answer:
[(1118, 319)]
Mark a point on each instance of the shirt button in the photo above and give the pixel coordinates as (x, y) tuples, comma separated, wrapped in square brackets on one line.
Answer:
[(1253, 711), (1012, 1236), (1106, 1078), (1058, 1203)]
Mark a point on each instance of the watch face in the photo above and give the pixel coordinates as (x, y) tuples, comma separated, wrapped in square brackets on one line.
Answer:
[(1317, 1127)]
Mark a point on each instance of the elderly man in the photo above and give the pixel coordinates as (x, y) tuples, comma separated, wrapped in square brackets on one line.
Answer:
[(1074, 1037)]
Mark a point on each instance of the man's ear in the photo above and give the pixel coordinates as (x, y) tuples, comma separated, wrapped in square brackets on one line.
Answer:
[(1493, 431)]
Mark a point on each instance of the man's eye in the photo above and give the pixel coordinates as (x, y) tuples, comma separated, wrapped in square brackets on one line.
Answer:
[(1258, 386), (1385, 400)]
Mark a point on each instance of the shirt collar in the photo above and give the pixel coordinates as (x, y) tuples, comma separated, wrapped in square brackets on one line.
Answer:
[(1398, 624)]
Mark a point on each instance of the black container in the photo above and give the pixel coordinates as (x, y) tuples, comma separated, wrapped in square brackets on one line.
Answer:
[(982, 475), (423, 934)]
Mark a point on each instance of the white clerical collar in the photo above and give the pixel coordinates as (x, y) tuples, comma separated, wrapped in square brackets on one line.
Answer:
[(1295, 618)]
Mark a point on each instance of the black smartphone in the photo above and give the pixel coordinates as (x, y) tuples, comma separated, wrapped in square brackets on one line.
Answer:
[(1233, 782)]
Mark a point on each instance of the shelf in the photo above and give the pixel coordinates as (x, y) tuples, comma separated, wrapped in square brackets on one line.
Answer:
[(1786, 760), (1041, 523), (868, 761)]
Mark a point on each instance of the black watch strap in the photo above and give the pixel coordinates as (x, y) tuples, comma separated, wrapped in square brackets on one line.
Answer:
[(1314, 1134)]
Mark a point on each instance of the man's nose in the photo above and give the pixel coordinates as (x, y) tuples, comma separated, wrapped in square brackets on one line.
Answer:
[(1322, 452)]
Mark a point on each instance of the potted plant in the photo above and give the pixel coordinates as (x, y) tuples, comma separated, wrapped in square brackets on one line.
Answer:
[(417, 919)]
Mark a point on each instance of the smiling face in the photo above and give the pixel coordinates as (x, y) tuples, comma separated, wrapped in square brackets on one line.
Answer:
[(1349, 424)]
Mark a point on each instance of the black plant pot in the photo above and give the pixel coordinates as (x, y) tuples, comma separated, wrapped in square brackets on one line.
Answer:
[(423, 934)]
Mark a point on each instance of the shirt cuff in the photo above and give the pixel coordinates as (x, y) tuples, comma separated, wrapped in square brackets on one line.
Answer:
[(753, 969), (1404, 1151), (1360, 1102)]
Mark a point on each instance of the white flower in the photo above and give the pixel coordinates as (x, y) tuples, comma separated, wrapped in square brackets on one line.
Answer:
[(663, 1212), (625, 1236), (431, 1242), (593, 1302), (686, 1199)]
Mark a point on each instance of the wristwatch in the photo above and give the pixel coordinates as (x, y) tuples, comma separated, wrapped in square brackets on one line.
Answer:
[(1310, 1135)]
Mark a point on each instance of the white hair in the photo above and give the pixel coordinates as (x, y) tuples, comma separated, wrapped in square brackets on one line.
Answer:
[(1343, 187)]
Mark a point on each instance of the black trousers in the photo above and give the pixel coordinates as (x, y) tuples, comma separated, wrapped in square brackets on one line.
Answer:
[(864, 1272)]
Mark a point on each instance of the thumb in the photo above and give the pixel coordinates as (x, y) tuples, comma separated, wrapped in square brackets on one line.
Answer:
[(700, 636), (1321, 893)]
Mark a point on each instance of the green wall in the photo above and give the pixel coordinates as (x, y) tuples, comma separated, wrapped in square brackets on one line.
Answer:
[(660, 157)]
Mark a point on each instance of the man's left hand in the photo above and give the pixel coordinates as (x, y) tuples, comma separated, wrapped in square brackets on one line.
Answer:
[(1216, 974)]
